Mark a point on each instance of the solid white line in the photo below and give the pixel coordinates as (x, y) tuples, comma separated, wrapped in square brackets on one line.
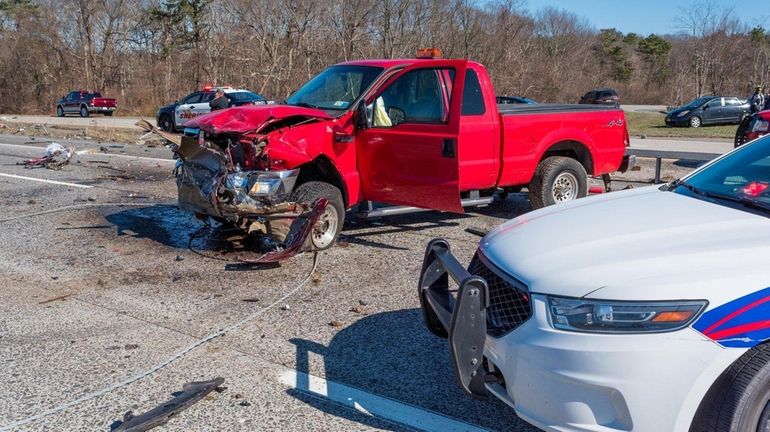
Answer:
[(82, 186), (373, 405), (93, 154)]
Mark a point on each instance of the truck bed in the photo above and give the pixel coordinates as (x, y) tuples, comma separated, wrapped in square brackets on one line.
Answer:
[(513, 109)]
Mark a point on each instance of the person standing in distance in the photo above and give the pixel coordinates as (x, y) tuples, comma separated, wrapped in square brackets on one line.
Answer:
[(220, 101)]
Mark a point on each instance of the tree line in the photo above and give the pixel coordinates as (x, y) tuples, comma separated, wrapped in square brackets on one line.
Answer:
[(147, 53)]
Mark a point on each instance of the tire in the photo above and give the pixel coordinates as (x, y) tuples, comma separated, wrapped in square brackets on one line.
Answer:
[(740, 399), (59, 111), (329, 226), (740, 133), (557, 179), (695, 122), (166, 123), (84, 111)]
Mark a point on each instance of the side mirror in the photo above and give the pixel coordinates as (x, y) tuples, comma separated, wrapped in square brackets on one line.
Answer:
[(176, 101), (363, 116)]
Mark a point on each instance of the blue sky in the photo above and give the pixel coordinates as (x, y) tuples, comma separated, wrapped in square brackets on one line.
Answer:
[(650, 16)]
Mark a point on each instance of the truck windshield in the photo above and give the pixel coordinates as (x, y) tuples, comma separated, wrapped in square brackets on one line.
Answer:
[(335, 88), (739, 180)]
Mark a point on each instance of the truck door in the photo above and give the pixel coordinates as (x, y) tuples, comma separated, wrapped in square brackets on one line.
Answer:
[(72, 102), (184, 111), (408, 155)]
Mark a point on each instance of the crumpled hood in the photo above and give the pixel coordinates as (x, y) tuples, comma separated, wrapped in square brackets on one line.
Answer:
[(639, 244), (250, 118)]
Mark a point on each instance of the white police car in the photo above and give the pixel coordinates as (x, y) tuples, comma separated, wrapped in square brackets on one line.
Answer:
[(172, 117), (641, 310)]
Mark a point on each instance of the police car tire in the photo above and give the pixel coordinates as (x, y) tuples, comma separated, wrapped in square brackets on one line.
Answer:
[(740, 398)]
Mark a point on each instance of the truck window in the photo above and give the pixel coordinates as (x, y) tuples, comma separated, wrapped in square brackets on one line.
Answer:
[(473, 100), (417, 97)]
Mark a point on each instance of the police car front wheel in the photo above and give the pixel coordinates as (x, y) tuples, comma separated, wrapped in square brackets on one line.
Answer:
[(740, 399)]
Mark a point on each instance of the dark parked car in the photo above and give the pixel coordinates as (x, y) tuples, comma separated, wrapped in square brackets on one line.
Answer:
[(85, 103), (709, 110), (172, 117), (601, 97), (504, 100)]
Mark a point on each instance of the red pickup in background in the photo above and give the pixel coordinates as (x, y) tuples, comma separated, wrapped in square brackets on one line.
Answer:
[(85, 103)]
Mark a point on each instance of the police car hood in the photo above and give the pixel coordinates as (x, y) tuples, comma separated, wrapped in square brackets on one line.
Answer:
[(639, 244), (251, 118)]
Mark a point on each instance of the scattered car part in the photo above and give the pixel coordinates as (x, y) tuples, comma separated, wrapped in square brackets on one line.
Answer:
[(170, 137), (56, 156), (191, 393)]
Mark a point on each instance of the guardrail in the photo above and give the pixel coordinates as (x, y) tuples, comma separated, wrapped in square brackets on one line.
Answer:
[(659, 155)]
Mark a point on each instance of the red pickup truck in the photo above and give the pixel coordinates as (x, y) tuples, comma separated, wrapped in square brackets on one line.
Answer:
[(423, 132), (85, 103)]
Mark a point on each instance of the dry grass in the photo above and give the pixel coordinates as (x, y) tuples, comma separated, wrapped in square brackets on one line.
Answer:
[(96, 134)]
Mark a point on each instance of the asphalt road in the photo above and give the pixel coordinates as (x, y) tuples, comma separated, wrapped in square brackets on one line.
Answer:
[(97, 294)]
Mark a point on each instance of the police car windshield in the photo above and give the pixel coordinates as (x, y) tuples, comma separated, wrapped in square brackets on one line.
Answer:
[(740, 180), (335, 88), (243, 95)]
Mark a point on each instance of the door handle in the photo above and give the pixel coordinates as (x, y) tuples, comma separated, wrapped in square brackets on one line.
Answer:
[(448, 148)]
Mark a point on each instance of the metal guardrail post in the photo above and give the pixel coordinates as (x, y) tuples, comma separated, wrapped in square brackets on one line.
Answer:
[(657, 170)]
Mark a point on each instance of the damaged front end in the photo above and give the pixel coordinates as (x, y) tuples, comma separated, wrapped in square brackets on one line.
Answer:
[(227, 177)]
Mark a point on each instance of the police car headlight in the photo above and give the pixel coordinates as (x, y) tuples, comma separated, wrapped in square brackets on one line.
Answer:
[(602, 316)]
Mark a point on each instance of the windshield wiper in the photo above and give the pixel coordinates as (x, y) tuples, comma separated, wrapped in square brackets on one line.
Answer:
[(306, 105), (746, 202)]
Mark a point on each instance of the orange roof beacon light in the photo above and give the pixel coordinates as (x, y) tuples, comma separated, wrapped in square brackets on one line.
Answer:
[(429, 53)]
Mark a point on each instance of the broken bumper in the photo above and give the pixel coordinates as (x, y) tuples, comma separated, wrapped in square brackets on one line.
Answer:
[(461, 318)]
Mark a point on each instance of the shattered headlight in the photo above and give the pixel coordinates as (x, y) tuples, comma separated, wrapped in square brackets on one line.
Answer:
[(263, 183), (602, 316)]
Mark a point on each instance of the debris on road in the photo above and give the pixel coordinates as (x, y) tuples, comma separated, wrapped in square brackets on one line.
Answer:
[(192, 393), (335, 323), (56, 156), (57, 298), (476, 231), (170, 137)]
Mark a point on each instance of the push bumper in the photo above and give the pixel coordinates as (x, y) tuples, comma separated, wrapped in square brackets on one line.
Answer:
[(567, 381), (461, 319)]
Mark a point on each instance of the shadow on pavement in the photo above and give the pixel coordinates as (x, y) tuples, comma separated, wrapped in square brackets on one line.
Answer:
[(393, 355)]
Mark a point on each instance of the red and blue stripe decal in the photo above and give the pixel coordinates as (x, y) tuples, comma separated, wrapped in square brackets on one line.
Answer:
[(741, 323)]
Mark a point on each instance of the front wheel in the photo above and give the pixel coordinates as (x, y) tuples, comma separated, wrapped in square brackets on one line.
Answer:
[(330, 223), (557, 179), (695, 122), (740, 399), (59, 111), (83, 111), (165, 123)]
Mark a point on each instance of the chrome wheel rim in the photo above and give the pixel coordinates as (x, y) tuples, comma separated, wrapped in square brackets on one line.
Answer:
[(326, 228), (695, 122), (565, 187)]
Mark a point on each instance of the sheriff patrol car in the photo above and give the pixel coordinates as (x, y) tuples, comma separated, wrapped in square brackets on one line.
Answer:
[(641, 310), (172, 117)]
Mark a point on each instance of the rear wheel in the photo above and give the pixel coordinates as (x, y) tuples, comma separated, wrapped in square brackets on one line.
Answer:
[(695, 121), (740, 399), (330, 223), (165, 123), (59, 111), (83, 111), (557, 179)]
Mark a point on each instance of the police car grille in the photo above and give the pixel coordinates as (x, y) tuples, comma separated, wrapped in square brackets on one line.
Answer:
[(509, 305)]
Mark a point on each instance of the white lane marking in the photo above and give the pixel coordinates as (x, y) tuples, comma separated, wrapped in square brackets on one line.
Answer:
[(89, 152), (76, 185), (373, 405)]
